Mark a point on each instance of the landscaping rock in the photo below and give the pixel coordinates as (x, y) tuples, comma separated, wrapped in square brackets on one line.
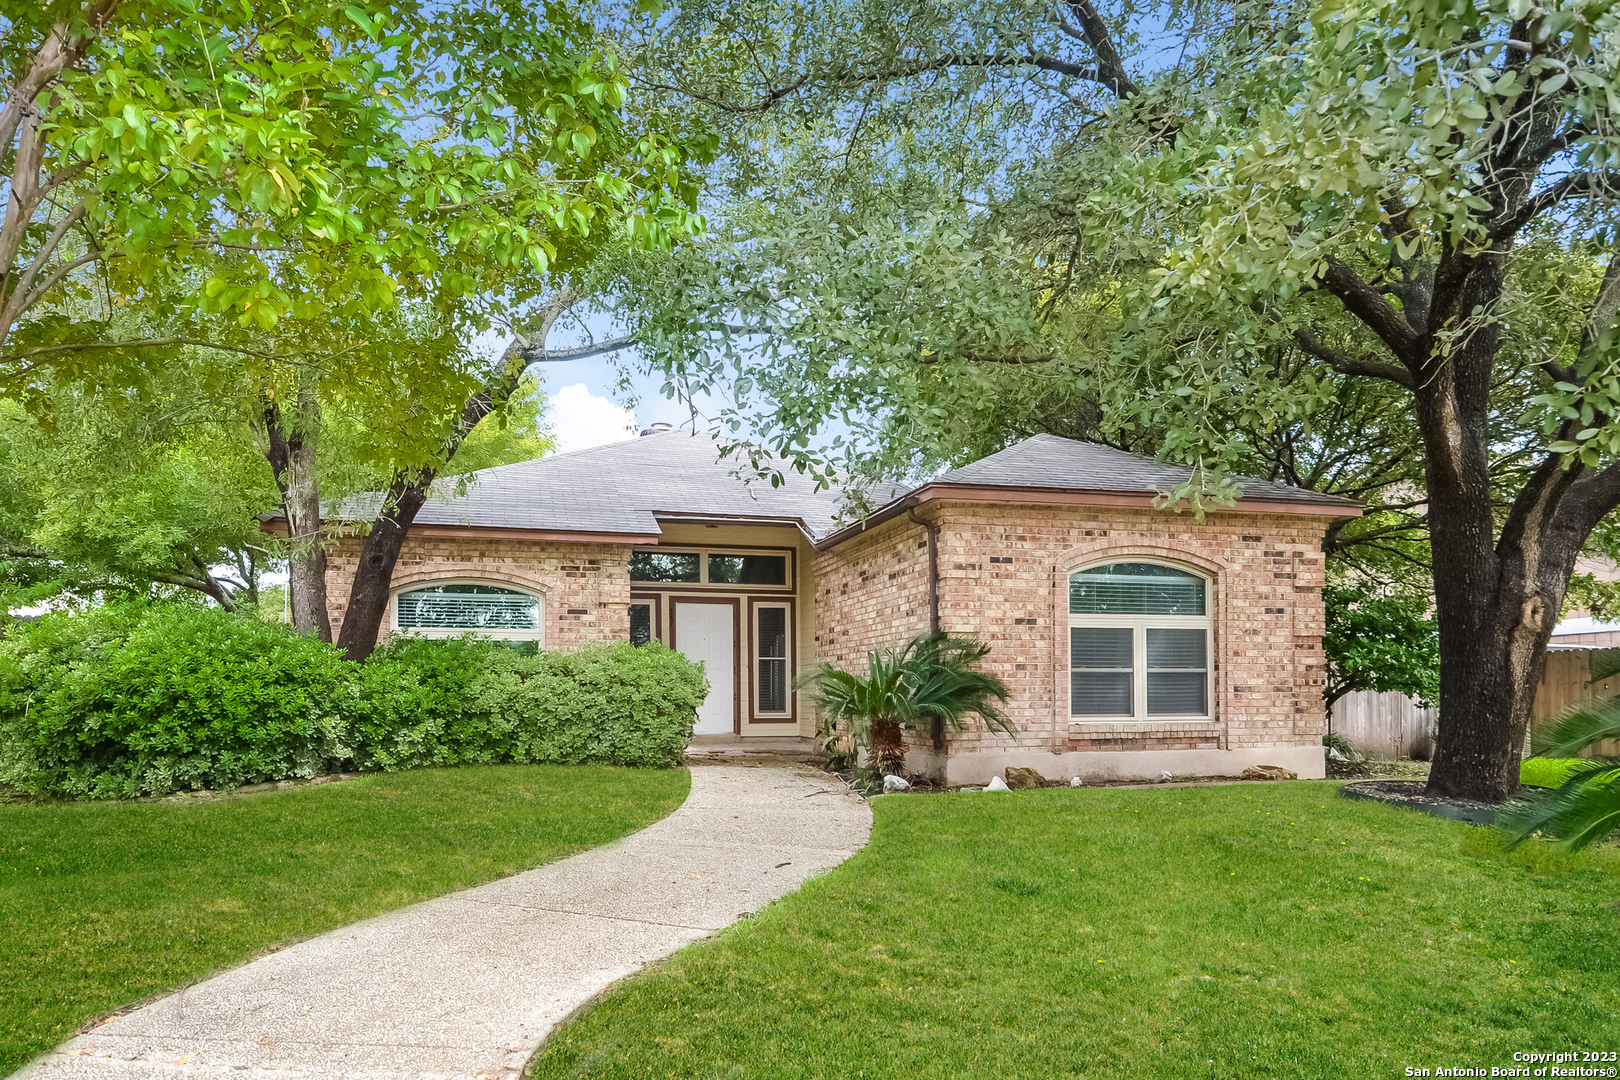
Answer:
[(1020, 779), (892, 783), (1269, 772), (997, 784)]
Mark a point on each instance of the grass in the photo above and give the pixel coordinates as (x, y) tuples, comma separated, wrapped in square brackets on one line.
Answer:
[(1231, 931), (1546, 772), (104, 904)]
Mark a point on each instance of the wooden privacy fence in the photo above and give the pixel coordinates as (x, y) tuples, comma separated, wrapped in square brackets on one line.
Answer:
[(1388, 725), (1565, 682), (1392, 725)]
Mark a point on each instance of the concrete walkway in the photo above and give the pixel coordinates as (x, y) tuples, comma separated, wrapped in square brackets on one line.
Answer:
[(469, 984)]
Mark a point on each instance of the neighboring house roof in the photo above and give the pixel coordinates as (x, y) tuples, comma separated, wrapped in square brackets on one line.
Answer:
[(1585, 633), (623, 488)]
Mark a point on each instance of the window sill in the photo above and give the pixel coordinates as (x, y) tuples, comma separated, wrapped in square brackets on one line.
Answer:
[(1139, 727)]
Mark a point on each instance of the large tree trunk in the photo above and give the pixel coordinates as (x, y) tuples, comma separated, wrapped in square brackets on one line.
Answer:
[(1497, 592), (291, 451), (373, 577)]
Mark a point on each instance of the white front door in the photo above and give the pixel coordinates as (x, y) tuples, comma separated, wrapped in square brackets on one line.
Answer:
[(706, 634)]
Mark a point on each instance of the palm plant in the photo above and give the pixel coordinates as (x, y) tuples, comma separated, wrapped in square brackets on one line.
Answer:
[(1586, 806), (933, 678)]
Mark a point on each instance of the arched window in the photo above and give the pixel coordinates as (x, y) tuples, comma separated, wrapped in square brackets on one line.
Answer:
[(1139, 642), (453, 608)]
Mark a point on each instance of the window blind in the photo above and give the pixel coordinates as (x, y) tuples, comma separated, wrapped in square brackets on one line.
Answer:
[(1135, 589), (468, 607)]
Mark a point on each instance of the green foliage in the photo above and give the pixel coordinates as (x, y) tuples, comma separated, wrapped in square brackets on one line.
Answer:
[(1385, 643), (1585, 806), (135, 699), (466, 701), (439, 144), (933, 678), (129, 700)]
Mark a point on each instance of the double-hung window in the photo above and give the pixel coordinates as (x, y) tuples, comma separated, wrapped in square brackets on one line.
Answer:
[(1139, 643)]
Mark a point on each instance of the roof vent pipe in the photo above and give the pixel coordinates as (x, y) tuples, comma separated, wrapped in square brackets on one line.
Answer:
[(656, 429)]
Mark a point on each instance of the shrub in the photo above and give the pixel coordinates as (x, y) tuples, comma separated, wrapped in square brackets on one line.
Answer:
[(133, 699), (136, 699), (465, 701), (617, 704)]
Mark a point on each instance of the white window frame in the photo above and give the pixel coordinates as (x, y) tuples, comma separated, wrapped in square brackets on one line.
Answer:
[(703, 581), (537, 635), (786, 607), (1139, 625)]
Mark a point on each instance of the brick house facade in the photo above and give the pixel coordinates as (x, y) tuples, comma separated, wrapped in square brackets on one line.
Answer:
[(1134, 640)]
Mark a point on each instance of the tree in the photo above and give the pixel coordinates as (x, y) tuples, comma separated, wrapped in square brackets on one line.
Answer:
[(210, 151), (233, 173), (128, 496), (1207, 251), (1381, 643), (933, 679)]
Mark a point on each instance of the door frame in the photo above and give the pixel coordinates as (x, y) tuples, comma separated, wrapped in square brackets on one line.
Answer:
[(735, 603)]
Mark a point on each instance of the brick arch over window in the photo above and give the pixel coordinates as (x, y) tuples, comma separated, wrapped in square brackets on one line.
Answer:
[(1103, 550), (429, 576)]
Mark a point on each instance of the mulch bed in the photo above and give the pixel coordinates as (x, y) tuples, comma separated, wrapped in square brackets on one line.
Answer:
[(1409, 795)]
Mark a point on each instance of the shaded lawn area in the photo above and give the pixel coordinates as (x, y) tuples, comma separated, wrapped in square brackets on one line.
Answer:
[(104, 904), (1243, 930)]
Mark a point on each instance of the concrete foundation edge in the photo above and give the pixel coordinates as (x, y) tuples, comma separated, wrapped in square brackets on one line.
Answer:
[(978, 767)]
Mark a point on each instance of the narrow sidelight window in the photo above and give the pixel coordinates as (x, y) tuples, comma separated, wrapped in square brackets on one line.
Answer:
[(641, 629), (771, 660)]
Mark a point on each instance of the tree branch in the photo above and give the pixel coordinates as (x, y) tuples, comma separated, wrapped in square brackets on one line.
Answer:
[(1346, 365), (1369, 305), (1110, 68), (1573, 186), (136, 343)]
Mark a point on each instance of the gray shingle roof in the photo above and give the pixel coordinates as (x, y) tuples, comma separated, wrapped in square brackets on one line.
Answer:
[(622, 488), (625, 487), (1050, 461)]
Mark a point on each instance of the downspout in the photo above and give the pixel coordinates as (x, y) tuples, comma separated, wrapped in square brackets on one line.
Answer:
[(938, 726), (933, 567)]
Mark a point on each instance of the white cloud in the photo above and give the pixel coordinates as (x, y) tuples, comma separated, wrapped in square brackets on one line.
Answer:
[(579, 419)]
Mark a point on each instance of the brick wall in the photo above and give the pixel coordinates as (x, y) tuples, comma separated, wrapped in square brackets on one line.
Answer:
[(871, 592), (586, 585), (1003, 575)]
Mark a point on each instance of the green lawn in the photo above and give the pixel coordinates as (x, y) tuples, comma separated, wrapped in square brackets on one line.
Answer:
[(103, 904), (1233, 931)]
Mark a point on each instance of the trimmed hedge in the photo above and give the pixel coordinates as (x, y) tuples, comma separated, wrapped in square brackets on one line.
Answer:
[(129, 700), (469, 702)]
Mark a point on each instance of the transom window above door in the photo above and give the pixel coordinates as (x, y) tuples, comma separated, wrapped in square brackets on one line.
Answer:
[(713, 566), (450, 609), (1139, 643)]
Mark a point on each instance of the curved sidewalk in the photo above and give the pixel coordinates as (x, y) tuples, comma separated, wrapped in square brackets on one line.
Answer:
[(468, 985)]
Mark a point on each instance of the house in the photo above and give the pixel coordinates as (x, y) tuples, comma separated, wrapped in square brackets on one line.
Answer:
[(1135, 640)]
